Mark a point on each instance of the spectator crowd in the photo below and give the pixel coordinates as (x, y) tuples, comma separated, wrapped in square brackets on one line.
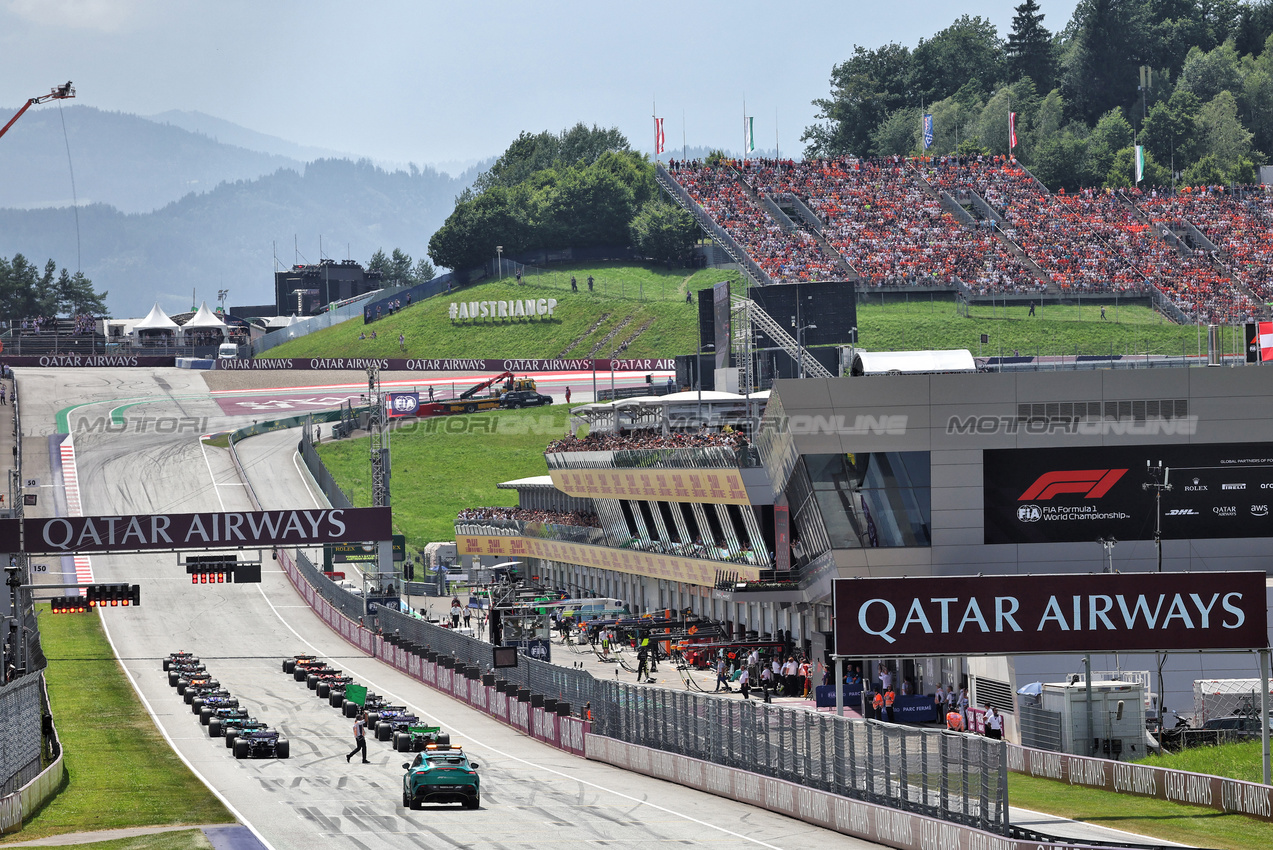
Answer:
[(647, 439), (587, 519)]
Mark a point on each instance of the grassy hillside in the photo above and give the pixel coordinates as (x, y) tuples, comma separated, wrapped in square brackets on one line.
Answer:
[(644, 307), (444, 465)]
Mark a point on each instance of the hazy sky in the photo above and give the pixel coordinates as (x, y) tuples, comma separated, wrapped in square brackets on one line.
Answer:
[(428, 81)]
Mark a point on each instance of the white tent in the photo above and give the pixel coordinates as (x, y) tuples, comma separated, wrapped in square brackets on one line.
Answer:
[(205, 320), (156, 320)]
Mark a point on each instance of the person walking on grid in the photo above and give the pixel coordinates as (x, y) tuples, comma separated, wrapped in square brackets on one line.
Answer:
[(360, 738)]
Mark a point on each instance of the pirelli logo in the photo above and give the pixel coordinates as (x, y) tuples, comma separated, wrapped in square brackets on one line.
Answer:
[(1092, 483)]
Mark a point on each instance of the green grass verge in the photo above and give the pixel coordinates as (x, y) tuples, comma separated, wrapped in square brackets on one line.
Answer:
[(120, 771), (1053, 330), (445, 464), (1236, 761), (1191, 825), (184, 839), (633, 297)]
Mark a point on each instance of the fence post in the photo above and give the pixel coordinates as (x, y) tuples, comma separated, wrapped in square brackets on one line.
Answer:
[(944, 765)]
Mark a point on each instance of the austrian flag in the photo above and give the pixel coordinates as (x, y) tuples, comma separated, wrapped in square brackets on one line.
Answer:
[(1264, 340), (660, 140)]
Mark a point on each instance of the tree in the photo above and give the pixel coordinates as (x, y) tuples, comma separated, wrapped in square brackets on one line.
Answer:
[(663, 232), (864, 89), (586, 207), (1100, 67), (1122, 170), (899, 133), (1205, 172), (399, 266), (1223, 135), (379, 262), (1111, 134), (1029, 48), (423, 271), (77, 296), (968, 51), (1060, 161), (1171, 131), (1208, 74), (474, 228)]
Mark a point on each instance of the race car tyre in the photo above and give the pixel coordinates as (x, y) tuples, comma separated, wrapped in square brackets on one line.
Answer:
[(173, 677), (289, 665), (230, 738), (242, 749), (351, 708), (166, 660), (310, 681), (323, 690), (384, 731), (186, 694), (336, 699), (182, 684), (299, 674), (205, 716), (214, 727), (196, 705), (282, 749), (397, 742)]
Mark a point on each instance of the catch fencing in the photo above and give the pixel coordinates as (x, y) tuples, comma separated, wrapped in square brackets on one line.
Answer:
[(21, 734)]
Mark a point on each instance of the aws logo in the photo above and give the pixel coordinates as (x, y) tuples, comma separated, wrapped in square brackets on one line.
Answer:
[(1092, 483)]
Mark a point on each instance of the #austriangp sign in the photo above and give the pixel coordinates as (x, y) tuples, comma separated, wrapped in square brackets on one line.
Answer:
[(1076, 495), (234, 530), (998, 615)]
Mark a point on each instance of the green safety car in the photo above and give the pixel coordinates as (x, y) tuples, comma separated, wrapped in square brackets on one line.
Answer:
[(441, 775)]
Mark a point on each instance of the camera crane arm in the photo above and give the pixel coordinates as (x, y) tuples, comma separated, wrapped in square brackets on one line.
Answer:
[(57, 93)]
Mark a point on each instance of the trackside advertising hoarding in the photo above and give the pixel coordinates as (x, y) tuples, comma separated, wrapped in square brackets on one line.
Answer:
[(243, 529), (1075, 495), (998, 615)]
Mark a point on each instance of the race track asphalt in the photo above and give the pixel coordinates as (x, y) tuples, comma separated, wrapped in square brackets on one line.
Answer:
[(533, 796)]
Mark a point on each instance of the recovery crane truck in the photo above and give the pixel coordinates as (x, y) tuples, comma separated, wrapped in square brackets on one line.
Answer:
[(476, 398)]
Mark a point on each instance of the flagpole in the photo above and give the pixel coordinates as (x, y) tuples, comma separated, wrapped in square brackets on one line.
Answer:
[(685, 148), (744, 129)]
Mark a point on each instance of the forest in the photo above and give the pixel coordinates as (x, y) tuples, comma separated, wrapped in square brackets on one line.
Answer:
[(1191, 81)]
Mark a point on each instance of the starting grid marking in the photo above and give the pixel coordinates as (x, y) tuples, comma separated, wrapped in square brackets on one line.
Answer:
[(71, 485)]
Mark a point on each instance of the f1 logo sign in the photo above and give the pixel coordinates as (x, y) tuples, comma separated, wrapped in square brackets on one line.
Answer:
[(1092, 483)]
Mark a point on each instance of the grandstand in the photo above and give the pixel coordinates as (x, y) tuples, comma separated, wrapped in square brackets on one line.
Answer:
[(984, 226)]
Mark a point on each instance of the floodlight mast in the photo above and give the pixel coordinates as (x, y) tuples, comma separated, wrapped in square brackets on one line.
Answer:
[(57, 93)]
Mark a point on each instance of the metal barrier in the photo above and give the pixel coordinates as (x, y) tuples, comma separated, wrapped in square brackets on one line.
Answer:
[(338, 497), (307, 326), (20, 733), (350, 604)]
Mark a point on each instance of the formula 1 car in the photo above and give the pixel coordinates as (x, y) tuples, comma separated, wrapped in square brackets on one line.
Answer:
[(222, 717), (195, 685), (233, 727), (390, 721), (440, 775), (372, 704), (326, 687), (177, 672), (179, 658), (312, 679), (416, 739), (289, 664), (204, 704), (302, 670), (261, 745)]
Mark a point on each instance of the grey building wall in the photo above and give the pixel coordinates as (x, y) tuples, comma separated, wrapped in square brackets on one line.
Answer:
[(915, 413)]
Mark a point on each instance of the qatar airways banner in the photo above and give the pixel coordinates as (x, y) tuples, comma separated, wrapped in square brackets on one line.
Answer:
[(88, 361), (241, 530), (996, 615), (457, 364)]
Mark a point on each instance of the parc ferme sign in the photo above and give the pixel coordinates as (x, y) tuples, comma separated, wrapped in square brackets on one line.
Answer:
[(998, 615), (519, 308)]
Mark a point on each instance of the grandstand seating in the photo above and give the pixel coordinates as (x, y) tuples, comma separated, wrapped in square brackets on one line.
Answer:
[(886, 219)]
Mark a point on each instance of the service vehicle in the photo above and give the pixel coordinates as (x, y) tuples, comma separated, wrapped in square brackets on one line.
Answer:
[(524, 398), (481, 396), (261, 745), (415, 739), (222, 716), (441, 775), (227, 351)]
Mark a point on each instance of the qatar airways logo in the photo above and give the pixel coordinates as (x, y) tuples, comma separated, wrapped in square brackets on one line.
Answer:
[(1092, 483)]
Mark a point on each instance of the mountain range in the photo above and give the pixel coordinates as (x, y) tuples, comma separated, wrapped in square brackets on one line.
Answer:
[(183, 201)]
